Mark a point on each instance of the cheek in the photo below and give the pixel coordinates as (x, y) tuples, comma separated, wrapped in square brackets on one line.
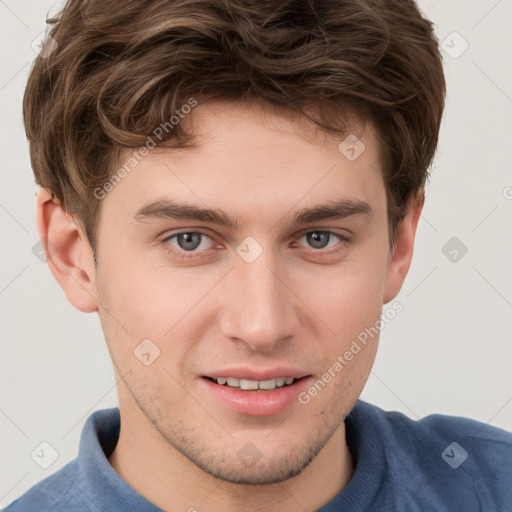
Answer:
[(350, 305), (168, 306), (349, 298), (162, 299)]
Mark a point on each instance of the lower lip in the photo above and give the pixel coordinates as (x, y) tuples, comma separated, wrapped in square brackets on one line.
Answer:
[(257, 403)]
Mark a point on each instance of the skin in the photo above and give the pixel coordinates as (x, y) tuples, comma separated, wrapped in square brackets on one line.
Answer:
[(292, 306)]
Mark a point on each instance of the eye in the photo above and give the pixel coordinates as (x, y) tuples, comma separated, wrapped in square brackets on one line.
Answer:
[(320, 239), (190, 244), (179, 244)]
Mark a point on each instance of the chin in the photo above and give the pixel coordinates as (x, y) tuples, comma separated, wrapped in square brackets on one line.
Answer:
[(273, 473)]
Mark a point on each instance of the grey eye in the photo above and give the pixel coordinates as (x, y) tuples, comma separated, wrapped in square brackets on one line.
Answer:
[(188, 241), (318, 239)]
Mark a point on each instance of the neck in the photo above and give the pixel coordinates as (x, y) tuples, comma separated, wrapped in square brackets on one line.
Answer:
[(169, 480)]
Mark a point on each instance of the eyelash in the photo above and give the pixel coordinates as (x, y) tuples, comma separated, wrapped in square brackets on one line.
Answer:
[(183, 255)]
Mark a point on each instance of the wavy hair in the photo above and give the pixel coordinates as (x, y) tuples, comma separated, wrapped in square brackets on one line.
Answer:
[(121, 68)]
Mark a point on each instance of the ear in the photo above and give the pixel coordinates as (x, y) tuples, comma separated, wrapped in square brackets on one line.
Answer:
[(67, 251), (401, 256)]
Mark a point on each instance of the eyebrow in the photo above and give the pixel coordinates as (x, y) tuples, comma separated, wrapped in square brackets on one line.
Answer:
[(167, 209)]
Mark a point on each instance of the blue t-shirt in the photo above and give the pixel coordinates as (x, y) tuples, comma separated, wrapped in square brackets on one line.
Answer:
[(439, 463)]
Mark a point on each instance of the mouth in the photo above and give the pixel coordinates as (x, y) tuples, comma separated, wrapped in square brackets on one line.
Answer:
[(255, 385), (267, 396)]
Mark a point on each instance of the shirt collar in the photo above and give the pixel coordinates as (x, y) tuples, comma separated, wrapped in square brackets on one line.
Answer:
[(103, 487), (106, 490)]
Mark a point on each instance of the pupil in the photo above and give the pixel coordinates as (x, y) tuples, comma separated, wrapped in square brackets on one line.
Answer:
[(318, 239), (191, 240)]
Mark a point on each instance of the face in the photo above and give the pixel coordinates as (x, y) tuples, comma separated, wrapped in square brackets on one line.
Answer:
[(274, 286)]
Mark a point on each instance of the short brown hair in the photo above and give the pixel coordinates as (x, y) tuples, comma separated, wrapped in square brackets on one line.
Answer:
[(120, 69)]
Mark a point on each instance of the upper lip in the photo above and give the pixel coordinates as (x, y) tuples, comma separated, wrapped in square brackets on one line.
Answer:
[(253, 374)]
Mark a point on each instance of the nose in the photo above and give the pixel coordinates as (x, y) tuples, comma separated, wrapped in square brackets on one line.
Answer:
[(258, 307)]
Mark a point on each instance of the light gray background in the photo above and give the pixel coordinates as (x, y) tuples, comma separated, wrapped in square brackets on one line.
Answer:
[(449, 351)]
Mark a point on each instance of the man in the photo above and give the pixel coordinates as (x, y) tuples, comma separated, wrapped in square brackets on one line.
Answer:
[(235, 188)]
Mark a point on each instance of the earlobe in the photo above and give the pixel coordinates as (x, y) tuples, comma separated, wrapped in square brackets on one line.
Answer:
[(401, 257), (68, 252)]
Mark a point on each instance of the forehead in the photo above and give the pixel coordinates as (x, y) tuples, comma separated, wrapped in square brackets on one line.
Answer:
[(251, 161)]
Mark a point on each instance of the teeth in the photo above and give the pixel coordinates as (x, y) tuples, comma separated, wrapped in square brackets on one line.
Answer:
[(246, 384), (267, 384)]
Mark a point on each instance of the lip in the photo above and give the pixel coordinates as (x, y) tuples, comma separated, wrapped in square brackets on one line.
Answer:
[(264, 374), (257, 402)]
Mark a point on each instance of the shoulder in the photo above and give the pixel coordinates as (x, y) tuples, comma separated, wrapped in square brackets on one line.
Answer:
[(461, 438), (438, 428), (441, 459), (57, 492)]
